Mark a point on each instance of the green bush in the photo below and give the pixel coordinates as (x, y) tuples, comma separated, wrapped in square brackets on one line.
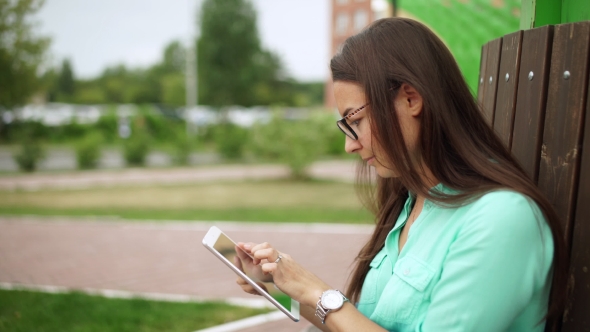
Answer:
[(107, 125), (183, 146), (71, 131), (296, 143), (230, 140), (136, 147), (88, 151), (159, 127), (16, 131), (30, 154), (334, 138)]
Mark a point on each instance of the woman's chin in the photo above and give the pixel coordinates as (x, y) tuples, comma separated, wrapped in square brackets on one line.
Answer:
[(384, 172)]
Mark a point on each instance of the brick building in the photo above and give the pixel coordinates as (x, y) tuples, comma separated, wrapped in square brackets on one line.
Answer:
[(348, 18)]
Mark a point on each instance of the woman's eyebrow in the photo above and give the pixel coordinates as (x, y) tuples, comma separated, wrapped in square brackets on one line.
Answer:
[(346, 111), (346, 114)]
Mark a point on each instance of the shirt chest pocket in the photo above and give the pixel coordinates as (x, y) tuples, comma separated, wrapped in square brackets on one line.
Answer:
[(405, 291), (373, 283)]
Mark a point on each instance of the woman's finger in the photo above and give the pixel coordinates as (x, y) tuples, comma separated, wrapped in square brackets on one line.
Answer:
[(245, 255), (246, 287), (247, 246), (249, 250), (268, 254), (242, 254), (263, 245), (269, 267)]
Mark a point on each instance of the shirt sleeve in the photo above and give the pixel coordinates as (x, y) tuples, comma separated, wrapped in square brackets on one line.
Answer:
[(501, 256)]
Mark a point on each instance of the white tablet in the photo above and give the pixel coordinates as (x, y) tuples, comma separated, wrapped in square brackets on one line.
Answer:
[(225, 249)]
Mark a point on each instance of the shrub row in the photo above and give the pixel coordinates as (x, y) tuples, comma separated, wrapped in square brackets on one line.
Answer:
[(161, 129), (294, 142)]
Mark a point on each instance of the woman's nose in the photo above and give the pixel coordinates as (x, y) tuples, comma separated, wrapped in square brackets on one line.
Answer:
[(351, 145)]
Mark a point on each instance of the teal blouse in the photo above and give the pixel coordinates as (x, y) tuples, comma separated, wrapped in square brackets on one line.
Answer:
[(484, 266)]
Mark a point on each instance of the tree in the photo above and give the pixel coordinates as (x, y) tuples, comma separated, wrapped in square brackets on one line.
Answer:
[(21, 51), (170, 74), (173, 89), (160, 83), (174, 58), (233, 69), (65, 82)]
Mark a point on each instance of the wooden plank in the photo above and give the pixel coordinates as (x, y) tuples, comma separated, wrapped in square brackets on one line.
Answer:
[(482, 74), (562, 138), (577, 316), (531, 99), (491, 79), (507, 87)]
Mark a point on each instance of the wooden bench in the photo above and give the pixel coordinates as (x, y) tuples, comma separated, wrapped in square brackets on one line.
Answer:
[(534, 88)]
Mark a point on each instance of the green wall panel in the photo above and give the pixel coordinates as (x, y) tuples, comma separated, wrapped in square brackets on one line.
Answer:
[(575, 11), (547, 12), (465, 25), (537, 13)]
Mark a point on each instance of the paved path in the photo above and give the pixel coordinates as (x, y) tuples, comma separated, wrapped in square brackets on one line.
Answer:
[(341, 170), (164, 258)]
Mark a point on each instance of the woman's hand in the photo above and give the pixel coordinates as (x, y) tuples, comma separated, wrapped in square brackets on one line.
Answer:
[(287, 275), (251, 265), (300, 284), (246, 287)]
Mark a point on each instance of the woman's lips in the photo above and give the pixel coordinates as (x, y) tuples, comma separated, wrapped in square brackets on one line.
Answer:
[(369, 160)]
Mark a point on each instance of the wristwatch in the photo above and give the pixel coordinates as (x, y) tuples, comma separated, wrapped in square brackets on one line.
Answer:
[(331, 300)]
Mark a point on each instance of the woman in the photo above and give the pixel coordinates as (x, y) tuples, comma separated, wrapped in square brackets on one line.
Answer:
[(464, 241)]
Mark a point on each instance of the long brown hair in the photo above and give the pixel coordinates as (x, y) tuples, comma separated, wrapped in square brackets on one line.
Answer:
[(456, 144)]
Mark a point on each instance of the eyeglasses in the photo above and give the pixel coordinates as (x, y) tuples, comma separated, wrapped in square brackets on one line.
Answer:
[(345, 127)]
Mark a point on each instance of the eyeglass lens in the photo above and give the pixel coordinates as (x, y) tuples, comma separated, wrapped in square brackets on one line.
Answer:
[(346, 129)]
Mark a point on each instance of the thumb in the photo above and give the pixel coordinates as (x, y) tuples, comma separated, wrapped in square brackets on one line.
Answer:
[(242, 254), (238, 263)]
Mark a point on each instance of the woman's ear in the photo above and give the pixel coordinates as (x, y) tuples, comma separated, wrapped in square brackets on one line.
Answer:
[(410, 99)]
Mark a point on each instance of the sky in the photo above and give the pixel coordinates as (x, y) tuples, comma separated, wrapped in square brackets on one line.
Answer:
[(95, 34)]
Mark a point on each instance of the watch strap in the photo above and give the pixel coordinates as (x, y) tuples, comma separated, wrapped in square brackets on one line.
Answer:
[(322, 312)]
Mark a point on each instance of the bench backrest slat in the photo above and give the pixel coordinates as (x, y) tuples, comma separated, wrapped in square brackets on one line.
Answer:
[(507, 86), (482, 73), (490, 80), (567, 103), (577, 316), (550, 132), (562, 137), (531, 98)]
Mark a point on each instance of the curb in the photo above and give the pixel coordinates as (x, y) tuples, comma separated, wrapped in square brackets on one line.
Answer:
[(119, 294), (200, 225), (246, 322)]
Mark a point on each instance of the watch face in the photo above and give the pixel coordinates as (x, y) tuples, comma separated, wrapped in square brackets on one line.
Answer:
[(332, 299)]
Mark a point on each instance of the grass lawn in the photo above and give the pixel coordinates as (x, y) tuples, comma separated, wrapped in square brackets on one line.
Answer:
[(34, 311), (276, 200)]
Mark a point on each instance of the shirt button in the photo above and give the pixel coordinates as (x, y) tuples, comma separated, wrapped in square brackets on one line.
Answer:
[(406, 272)]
